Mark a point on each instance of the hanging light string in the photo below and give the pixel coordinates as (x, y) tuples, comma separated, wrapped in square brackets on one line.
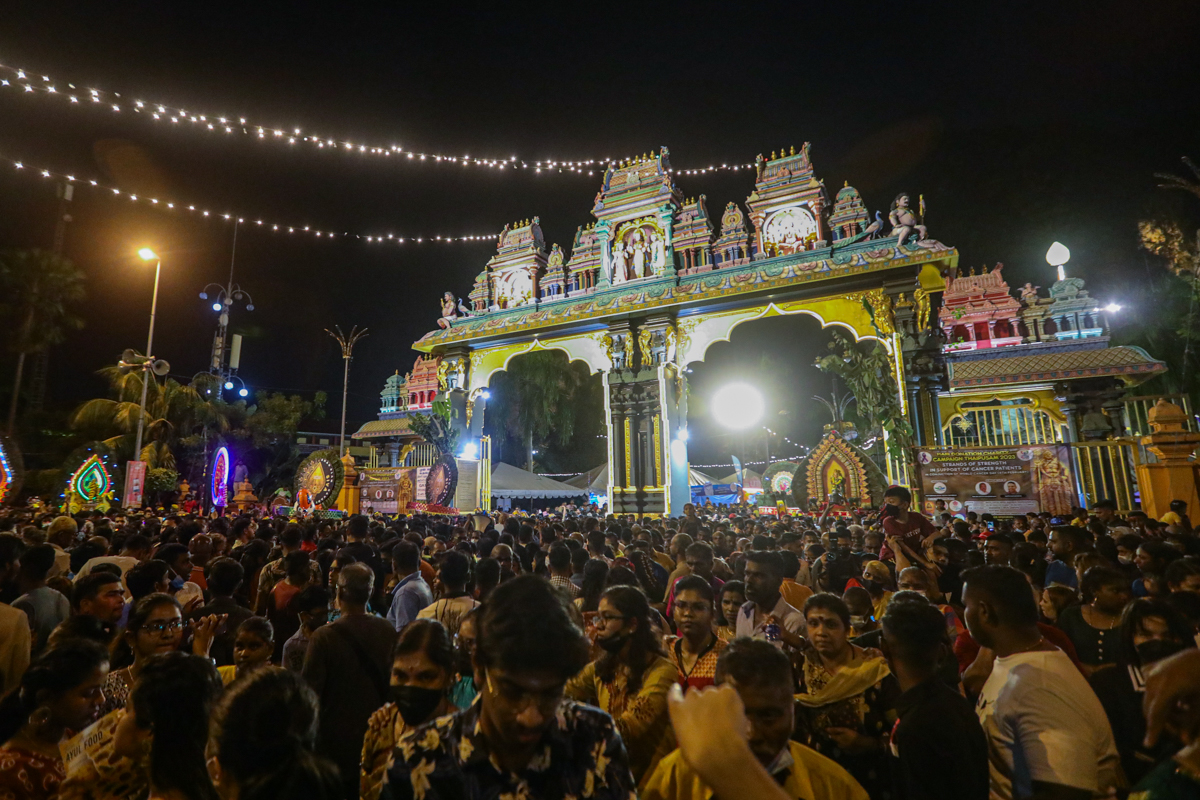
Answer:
[(229, 216), (33, 84)]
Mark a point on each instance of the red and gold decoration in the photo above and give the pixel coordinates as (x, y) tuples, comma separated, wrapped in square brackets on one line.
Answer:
[(839, 473), (319, 479)]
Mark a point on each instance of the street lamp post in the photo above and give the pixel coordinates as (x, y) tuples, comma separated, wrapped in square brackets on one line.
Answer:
[(147, 255), (347, 343), (1057, 256)]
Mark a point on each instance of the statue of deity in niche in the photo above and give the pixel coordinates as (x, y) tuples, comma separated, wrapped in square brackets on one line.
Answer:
[(639, 251)]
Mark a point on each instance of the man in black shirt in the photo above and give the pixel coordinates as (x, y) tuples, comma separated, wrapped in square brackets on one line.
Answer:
[(937, 748)]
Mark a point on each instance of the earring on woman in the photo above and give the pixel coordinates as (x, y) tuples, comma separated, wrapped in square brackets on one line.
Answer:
[(40, 718)]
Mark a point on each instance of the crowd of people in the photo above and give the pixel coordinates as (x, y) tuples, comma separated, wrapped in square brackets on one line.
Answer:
[(880, 655)]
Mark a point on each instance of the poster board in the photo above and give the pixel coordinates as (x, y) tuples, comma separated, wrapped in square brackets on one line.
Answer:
[(386, 494), (466, 496), (1002, 481)]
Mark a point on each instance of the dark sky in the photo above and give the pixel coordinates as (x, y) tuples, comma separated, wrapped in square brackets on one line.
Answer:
[(1020, 123)]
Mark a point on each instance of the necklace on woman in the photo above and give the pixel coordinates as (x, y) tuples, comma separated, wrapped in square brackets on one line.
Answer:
[(1093, 613)]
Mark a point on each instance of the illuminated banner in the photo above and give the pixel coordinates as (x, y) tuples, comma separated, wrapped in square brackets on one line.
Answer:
[(135, 481), (220, 478), (1003, 481)]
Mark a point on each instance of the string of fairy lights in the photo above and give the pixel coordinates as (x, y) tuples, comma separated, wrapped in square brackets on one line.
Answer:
[(230, 216), (34, 84)]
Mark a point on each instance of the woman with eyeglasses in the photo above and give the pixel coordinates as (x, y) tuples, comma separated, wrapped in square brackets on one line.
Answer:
[(631, 678), (155, 626), (60, 692)]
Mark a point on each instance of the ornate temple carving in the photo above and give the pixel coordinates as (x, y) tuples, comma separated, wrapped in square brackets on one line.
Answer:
[(787, 205), (634, 210), (849, 216), (732, 248), (585, 261), (693, 233), (554, 283), (517, 267), (837, 471), (979, 312)]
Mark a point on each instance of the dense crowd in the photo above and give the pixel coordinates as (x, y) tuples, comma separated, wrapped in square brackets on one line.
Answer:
[(879, 655)]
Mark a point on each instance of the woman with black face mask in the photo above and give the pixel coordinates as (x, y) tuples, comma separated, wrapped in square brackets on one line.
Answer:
[(631, 677), (1150, 630), (423, 670)]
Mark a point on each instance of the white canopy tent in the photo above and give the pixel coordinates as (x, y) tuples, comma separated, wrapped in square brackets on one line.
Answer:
[(513, 482), (595, 480), (753, 480)]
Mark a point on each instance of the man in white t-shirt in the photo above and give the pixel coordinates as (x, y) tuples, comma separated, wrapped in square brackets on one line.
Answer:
[(135, 550), (1048, 735)]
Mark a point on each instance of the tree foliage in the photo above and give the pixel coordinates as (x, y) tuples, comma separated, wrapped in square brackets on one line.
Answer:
[(437, 427), (37, 292), (1170, 287), (543, 401), (186, 423), (866, 369)]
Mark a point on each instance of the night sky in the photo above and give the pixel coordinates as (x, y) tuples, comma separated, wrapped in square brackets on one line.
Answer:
[(1020, 124)]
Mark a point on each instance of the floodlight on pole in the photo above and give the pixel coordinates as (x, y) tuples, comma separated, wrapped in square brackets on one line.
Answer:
[(1057, 256), (147, 255), (737, 406)]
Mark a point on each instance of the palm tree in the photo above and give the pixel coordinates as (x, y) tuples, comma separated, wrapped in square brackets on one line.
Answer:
[(39, 288), (173, 411), (1170, 181)]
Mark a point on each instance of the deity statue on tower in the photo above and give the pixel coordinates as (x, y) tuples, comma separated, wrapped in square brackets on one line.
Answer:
[(451, 308), (904, 221)]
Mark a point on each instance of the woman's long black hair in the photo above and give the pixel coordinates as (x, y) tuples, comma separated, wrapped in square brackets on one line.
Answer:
[(173, 697), (645, 643), (265, 728), (595, 576)]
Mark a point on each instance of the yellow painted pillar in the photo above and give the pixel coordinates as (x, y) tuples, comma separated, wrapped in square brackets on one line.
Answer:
[(348, 499), (1174, 477)]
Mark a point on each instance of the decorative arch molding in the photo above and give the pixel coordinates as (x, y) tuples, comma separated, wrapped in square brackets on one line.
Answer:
[(586, 347), (698, 332)]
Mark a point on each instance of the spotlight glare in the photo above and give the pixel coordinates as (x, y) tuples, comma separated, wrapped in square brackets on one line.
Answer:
[(737, 406)]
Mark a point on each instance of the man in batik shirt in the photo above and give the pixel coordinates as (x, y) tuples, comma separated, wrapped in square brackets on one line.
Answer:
[(519, 738)]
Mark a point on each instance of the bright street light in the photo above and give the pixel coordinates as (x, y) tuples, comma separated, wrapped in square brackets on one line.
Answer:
[(228, 384), (737, 406), (1112, 307), (216, 306), (243, 391), (1057, 256), (147, 255)]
